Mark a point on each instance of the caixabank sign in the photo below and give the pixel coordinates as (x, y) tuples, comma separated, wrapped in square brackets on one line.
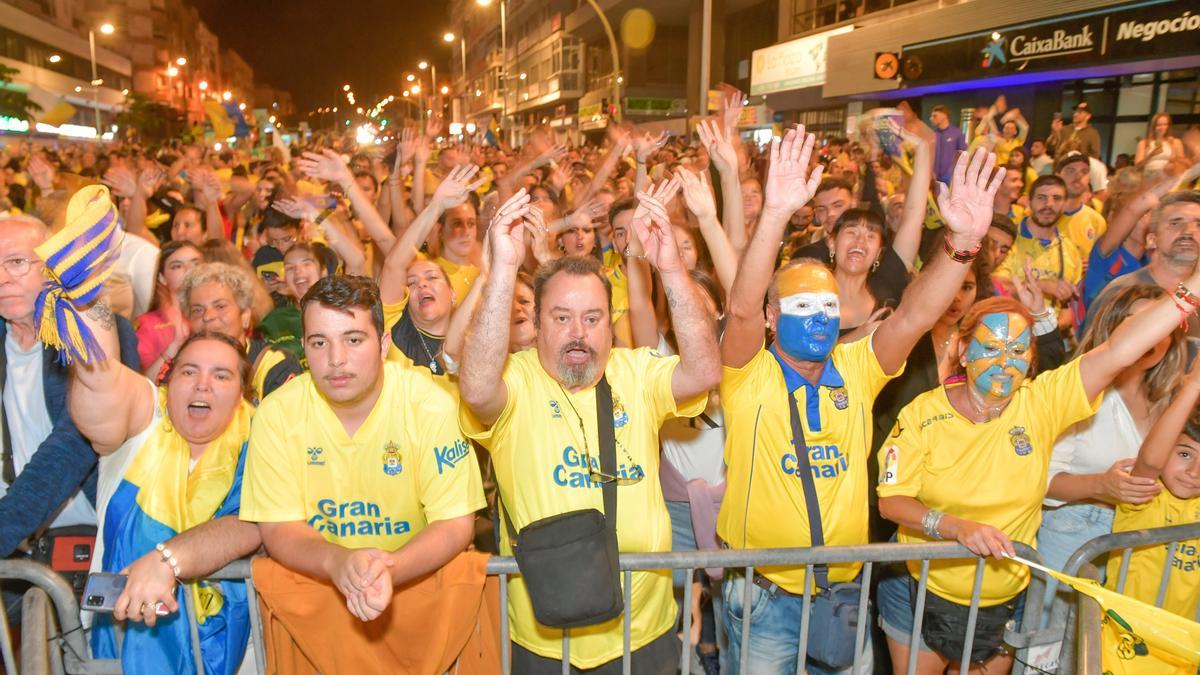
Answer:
[(1154, 29)]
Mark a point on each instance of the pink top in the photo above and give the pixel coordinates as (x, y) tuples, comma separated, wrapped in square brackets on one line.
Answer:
[(154, 333)]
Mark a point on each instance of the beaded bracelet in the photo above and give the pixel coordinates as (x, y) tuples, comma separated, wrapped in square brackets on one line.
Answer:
[(168, 558)]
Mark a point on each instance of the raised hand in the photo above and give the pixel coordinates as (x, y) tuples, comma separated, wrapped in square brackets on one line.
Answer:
[(1028, 291), (652, 226), (967, 208), (433, 126), (720, 150), (535, 225), (696, 195), (732, 104), (406, 148), (645, 145), (121, 180), (507, 231), (206, 187), (584, 215), (789, 184), (455, 187), (41, 172), (561, 175), (326, 165), (294, 207), (554, 153)]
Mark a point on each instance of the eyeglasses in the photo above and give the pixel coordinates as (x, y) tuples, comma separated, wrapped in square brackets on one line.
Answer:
[(17, 267), (635, 475)]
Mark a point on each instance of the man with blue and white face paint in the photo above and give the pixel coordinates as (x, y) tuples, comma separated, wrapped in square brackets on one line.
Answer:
[(832, 388)]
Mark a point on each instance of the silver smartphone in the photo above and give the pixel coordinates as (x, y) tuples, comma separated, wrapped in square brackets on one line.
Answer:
[(101, 592)]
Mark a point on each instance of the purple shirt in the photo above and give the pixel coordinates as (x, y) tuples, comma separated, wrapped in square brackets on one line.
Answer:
[(950, 142)]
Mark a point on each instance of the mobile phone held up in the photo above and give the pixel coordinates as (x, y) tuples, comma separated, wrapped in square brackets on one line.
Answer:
[(102, 590)]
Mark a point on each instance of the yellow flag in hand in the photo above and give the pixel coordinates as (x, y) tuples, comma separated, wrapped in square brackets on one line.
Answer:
[(1135, 637)]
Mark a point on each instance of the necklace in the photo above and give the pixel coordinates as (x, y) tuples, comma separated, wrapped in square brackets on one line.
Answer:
[(982, 409), (433, 364)]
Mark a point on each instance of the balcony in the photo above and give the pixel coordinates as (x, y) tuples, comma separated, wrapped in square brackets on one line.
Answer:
[(551, 71)]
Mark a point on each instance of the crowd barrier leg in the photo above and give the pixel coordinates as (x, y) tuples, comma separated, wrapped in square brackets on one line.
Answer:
[(805, 620), (1087, 632), (260, 649), (747, 606), (6, 646), (35, 615), (685, 658)]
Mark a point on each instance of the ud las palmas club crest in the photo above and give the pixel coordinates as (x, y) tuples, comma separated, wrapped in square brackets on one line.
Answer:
[(1020, 441), (391, 459), (840, 398)]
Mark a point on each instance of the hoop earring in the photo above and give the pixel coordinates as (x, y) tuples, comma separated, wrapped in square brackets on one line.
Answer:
[(875, 265)]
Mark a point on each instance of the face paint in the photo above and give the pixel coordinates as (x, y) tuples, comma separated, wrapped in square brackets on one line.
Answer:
[(998, 355), (808, 325)]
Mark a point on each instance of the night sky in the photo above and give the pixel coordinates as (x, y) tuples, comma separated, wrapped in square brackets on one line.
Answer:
[(312, 47)]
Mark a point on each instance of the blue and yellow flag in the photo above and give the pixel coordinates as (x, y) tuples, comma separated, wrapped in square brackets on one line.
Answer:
[(223, 126), (157, 498)]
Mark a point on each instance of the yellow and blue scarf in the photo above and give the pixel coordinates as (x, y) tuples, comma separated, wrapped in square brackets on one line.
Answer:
[(158, 498), (79, 258)]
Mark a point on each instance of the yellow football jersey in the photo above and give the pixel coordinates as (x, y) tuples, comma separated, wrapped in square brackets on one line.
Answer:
[(993, 473), (407, 466)]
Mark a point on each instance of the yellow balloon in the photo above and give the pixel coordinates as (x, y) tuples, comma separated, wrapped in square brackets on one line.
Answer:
[(637, 28)]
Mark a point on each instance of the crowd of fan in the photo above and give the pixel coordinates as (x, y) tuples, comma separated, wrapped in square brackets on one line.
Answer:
[(368, 354)]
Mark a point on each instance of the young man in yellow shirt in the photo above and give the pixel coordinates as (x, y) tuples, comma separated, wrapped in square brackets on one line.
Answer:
[(536, 412), (829, 388), (1056, 261), (357, 472), (1081, 223)]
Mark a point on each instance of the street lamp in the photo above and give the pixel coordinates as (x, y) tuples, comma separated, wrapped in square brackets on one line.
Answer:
[(107, 29), (410, 77), (182, 61), (227, 95), (345, 87), (172, 71), (203, 85), (54, 58), (503, 57), (448, 37)]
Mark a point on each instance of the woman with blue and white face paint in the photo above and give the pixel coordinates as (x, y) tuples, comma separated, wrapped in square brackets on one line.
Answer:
[(830, 388), (941, 463)]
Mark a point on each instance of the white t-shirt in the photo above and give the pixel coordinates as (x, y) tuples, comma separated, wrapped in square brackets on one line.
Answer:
[(29, 422), (136, 267), (1094, 444), (695, 446)]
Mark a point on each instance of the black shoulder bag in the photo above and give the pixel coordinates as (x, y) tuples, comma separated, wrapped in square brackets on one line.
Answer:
[(569, 560), (834, 616)]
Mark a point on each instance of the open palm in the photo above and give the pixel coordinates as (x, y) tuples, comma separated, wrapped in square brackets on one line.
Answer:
[(967, 209), (790, 185)]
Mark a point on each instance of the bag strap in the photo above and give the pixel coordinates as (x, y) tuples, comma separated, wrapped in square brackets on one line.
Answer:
[(608, 451), (8, 471), (816, 532), (608, 463)]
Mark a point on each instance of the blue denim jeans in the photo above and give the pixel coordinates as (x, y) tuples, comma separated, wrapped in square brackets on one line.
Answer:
[(1064, 529), (774, 632), (683, 538)]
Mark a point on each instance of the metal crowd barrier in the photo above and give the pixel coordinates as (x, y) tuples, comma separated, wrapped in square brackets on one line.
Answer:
[(71, 644), (747, 560), (1081, 636)]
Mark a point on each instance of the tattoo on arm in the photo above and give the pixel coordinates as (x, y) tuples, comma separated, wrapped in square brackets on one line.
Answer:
[(102, 315), (672, 299)]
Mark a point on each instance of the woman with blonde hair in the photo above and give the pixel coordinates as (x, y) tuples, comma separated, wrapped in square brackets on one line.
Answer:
[(1159, 146)]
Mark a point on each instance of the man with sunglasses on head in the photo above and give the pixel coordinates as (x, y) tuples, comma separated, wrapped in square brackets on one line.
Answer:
[(536, 413)]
